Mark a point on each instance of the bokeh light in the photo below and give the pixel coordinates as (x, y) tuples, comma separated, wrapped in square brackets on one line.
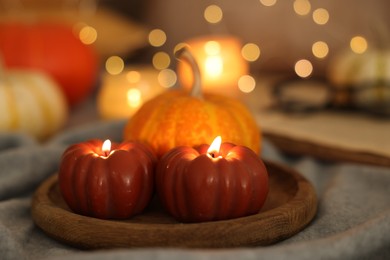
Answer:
[(246, 83), (88, 35), (157, 37), (320, 49), (161, 60), (302, 7), (268, 2), (303, 68), (250, 52), (133, 76), (358, 44), (321, 16), (114, 65), (212, 48), (167, 78), (213, 14)]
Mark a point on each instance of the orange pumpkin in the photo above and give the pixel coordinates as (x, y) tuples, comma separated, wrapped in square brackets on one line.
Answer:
[(178, 117), (55, 50)]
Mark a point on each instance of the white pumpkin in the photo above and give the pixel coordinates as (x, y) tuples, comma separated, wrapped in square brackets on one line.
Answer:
[(31, 102), (362, 80)]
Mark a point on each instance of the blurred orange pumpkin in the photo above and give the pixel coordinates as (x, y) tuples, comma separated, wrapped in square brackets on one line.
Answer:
[(178, 117), (53, 49)]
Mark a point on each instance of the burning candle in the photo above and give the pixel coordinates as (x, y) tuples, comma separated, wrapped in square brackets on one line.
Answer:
[(220, 62), (121, 95), (107, 180), (211, 182)]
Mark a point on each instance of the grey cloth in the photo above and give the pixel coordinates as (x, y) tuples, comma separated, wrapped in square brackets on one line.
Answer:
[(352, 222)]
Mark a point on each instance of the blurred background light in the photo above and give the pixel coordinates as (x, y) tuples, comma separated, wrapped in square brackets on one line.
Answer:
[(358, 44), (246, 83), (88, 35), (213, 14), (133, 76), (303, 68), (302, 7), (250, 52), (161, 60), (157, 37), (320, 49), (114, 65), (268, 2), (167, 78), (321, 16)]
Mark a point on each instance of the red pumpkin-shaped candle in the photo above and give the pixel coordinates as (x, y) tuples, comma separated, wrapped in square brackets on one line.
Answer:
[(107, 183), (55, 50), (204, 184)]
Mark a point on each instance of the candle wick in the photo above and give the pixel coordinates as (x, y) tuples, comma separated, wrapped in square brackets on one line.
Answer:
[(106, 153), (214, 155)]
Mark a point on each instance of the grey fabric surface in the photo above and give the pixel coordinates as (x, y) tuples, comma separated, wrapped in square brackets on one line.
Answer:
[(353, 219)]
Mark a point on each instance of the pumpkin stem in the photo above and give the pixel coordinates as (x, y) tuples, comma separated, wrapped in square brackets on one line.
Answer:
[(185, 55)]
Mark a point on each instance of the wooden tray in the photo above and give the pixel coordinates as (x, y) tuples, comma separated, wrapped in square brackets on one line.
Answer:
[(290, 206)]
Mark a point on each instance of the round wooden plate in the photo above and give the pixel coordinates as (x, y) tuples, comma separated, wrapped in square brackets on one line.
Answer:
[(291, 204)]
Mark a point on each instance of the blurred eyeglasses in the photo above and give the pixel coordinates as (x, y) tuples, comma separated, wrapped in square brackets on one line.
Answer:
[(295, 95)]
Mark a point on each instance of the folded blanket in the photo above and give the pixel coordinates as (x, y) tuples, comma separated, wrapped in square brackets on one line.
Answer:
[(352, 222)]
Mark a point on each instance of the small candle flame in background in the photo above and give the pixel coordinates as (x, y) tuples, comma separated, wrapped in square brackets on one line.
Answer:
[(125, 89), (134, 98), (106, 147), (213, 63), (214, 148)]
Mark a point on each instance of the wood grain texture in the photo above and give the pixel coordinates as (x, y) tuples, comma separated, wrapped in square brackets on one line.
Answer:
[(291, 204)]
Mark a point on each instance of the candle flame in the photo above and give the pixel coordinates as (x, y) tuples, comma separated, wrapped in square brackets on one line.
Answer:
[(214, 66), (134, 98), (214, 148), (106, 147)]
